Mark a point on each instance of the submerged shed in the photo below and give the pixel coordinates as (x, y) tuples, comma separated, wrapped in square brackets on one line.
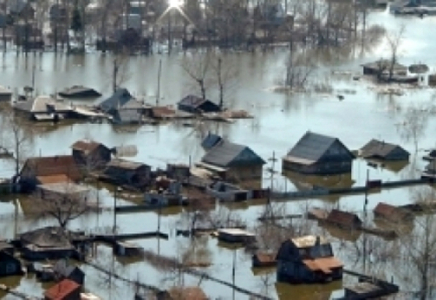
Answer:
[(384, 151), (343, 219)]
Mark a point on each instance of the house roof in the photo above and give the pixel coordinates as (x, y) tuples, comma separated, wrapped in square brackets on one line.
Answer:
[(210, 140), (79, 91), (16, 6), (236, 232), (126, 116), (120, 99), (62, 290), (187, 293), (124, 164), (390, 212), (376, 148), (383, 63), (344, 218), (64, 269), (226, 154), (86, 146), (47, 237), (308, 241), (310, 148), (66, 188), (53, 165), (41, 104), (324, 264), (53, 179), (162, 111), (192, 100)]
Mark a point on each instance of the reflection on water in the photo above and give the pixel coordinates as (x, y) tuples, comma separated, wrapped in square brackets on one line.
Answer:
[(307, 292)]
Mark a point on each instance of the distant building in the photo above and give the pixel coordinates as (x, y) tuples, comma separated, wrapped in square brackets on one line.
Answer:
[(210, 140), (91, 155), (233, 162), (62, 270), (430, 170), (383, 151), (194, 104), (9, 265), (127, 172), (307, 259), (318, 154), (383, 66), (64, 290), (344, 220), (43, 108), (123, 107), (236, 235)]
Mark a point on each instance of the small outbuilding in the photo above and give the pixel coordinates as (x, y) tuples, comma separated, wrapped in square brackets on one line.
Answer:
[(62, 190), (392, 213), (307, 259), (78, 91), (233, 162), (344, 220), (194, 104), (63, 270), (236, 235), (318, 154), (381, 150), (381, 66), (210, 141), (127, 172), (91, 155)]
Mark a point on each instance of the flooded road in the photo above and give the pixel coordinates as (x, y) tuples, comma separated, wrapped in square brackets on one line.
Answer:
[(280, 120)]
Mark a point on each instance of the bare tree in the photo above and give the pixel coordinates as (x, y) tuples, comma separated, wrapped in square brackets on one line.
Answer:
[(394, 40), (224, 74), (198, 68), (415, 123), (17, 137), (298, 70), (120, 72)]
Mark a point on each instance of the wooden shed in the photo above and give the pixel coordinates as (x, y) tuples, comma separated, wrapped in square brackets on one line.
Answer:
[(343, 219), (383, 151)]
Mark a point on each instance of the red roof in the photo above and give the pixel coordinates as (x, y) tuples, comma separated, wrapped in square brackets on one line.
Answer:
[(52, 165), (62, 290)]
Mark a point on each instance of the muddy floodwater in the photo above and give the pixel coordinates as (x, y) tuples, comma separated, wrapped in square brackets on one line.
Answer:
[(279, 121)]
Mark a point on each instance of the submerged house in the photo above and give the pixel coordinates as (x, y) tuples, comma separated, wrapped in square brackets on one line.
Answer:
[(126, 172), (232, 161), (194, 104), (9, 265), (210, 140), (343, 219), (307, 259), (123, 107), (318, 154), (392, 213), (43, 108), (381, 150), (47, 170), (62, 270), (79, 91), (64, 290), (381, 66), (431, 155), (46, 243), (90, 154)]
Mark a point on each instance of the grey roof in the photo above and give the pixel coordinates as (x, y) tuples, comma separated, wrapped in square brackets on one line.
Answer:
[(79, 91), (41, 104), (124, 164), (311, 147), (226, 154), (376, 148), (64, 269), (210, 140), (384, 63), (47, 237), (120, 99), (192, 100)]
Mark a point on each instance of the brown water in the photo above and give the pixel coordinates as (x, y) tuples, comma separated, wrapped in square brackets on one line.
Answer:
[(280, 120)]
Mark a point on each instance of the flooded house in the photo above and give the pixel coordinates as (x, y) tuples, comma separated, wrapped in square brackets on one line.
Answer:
[(236, 235), (123, 107), (381, 66), (64, 290), (63, 270), (43, 108), (228, 192), (210, 141), (168, 194), (382, 150), (178, 171), (124, 172), (392, 213), (47, 170), (46, 243), (307, 259), (318, 154), (343, 219), (232, 161), (5, 94), (9, 265), (194, 104), (91, 155)]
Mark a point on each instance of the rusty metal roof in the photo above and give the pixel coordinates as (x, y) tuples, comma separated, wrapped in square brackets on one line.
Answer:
[(61, 290), (343, 218), (324, 264)]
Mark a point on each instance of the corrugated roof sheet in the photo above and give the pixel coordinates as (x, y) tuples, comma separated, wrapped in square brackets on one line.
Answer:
[(53, 165), (310, 148), (225, 153), (376, 148), (324, 264), (62, 290), (308, 241)]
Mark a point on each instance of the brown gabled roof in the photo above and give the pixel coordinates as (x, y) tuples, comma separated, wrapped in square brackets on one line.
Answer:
[(324, 264), (53, 179), (390, 212), (187, 293), (53, 165), (86, 146), (343, 218), (62, 290)]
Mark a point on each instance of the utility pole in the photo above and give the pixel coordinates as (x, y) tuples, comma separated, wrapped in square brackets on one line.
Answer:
[(365, 218), (272, 172), (115, 211), (158, 82), (234, 272)]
